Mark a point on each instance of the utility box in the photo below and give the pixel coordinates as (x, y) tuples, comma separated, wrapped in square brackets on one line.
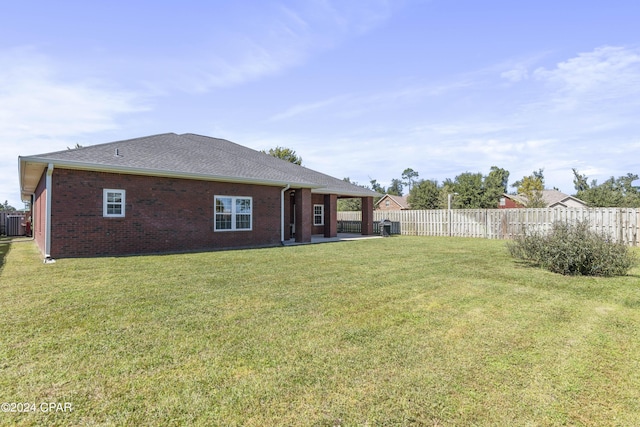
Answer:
[(14, 225), (385, 228)]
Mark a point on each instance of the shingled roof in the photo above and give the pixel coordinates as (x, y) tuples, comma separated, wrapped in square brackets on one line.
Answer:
[(187, 156), (551, 198)]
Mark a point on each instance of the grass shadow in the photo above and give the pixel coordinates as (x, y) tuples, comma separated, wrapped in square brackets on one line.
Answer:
[(5, 247)]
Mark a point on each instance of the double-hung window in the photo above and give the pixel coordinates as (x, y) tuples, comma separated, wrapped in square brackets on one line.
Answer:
[(113, 202), (233, 213), (318, 214)]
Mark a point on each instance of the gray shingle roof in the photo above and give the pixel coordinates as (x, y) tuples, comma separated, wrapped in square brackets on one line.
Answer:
[(194, 156), (551, 198)]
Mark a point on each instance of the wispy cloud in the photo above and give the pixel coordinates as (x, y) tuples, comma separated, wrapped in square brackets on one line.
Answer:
[(300, 109), (600, 70), (516, 74), (38, 102), (39, 109), (352, 105), (289, 34), (553, 117), (556, 117)]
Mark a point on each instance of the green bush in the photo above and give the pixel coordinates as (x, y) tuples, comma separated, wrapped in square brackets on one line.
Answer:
[(573, 249)]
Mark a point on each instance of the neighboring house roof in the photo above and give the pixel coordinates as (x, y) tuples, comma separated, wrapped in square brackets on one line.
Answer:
[(555, 198), (399, 200), (552, 198), (187, 156), (522, 200)]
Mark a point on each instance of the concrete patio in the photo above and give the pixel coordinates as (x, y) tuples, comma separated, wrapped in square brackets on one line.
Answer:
[(341, 237)]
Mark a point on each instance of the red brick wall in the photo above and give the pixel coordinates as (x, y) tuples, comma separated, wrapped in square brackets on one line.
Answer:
[(509, 204), (330, 215), (162, 215), (393, 206), (316, 199), (367, 216), (304, 214)]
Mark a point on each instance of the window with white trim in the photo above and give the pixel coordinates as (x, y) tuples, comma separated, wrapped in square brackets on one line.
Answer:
[(113, 202), (233, 213), (318, 214)]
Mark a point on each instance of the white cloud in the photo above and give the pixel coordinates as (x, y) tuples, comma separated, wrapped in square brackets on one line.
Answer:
[(603, 75), (250, 60), (40, 111), (299, 109), (580, 113), (286, 37), (37, 102), (604, 66), (516, 74), (352, 105)]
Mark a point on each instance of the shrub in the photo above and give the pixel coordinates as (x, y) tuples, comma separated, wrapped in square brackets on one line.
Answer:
[(573, 249)]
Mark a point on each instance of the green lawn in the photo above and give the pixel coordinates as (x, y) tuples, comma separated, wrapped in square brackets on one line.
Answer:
[(398, 331)]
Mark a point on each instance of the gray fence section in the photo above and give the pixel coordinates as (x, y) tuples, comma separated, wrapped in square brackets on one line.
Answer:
[(622, 224), (12, 224), (355, 226)]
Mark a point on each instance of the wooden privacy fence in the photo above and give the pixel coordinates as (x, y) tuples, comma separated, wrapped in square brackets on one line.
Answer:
[(622, 224), (355, 226)]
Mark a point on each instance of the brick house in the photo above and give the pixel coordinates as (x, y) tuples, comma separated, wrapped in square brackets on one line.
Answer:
[(389, 202), (176, 193), (552, 199)]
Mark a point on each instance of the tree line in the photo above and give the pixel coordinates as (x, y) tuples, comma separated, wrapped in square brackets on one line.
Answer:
[(477, 191), (6, 207), (614, 192), (467, 190)]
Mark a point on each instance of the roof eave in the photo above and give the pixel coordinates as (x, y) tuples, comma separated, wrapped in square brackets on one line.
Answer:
[(149, 172), (347, 193)]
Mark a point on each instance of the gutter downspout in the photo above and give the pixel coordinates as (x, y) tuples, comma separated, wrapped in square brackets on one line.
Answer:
[(47, 216), (282, 212), (32, 198)]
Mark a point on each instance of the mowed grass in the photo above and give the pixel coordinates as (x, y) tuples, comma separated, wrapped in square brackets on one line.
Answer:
[(397, 331)]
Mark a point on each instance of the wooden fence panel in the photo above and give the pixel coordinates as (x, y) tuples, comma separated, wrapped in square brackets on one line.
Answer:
[(3, 223), (621, 224)]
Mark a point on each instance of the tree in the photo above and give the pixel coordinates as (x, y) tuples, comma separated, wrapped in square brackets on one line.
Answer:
[(468, 187), (375, 186), (495, 185), (350, 204), (409, 177), (531, 187), (448, 187), (6, 207), (580, 181), (395, 189), (472, 191), (475, 191), (613, 192), (630, 192), (424, 195), (285, 154)]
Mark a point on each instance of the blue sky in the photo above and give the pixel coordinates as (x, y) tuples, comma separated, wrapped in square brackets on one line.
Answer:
[(360, 89)]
